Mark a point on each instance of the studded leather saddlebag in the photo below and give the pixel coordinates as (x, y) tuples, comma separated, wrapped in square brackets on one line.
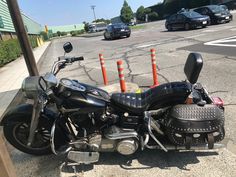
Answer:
[(196, 124)]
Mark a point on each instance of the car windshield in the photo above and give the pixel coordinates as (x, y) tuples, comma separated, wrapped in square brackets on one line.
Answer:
[(192, 14), (120, 25), (216, 9)]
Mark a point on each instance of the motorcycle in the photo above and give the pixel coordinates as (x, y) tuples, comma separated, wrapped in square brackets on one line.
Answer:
[(79, 120)]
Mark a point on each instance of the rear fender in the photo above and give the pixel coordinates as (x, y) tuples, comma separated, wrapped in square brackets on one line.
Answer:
[(25, 110)]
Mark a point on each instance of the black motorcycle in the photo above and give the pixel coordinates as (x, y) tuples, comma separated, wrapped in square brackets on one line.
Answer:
[(69, 117)]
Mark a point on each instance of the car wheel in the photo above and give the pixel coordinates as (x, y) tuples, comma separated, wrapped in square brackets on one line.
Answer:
[(187, 26), (128, 36), (204, 26), (105, 37), (169, 27)]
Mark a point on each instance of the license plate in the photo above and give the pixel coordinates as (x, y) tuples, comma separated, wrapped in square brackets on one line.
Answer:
[(226, 18), (122, 30), (204, 22)]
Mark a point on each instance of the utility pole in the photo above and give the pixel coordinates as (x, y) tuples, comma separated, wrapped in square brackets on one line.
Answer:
[(22, 37), (93, 8)]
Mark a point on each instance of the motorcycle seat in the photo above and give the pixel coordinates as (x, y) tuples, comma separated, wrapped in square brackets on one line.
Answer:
[(164, 95), (133, 102)]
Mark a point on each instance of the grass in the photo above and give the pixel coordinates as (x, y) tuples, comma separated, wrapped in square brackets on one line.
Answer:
[(137, 27)]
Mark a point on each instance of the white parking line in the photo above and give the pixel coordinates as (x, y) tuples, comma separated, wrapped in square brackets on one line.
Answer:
[(223, 42), (147, 45), (194, 36), (218, 29)]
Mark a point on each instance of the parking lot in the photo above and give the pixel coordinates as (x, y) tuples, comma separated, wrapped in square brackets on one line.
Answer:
[(216, 44)]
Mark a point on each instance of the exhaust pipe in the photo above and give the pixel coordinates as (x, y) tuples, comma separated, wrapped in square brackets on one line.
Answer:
[(193, 148)]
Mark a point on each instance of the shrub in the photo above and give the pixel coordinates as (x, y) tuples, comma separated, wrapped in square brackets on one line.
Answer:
[(78, 32), (44, 35), (54, 35), (33, 41), (63, 33), (9, 51)]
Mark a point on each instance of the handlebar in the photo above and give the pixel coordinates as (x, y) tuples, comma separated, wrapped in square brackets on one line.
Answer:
[(62, 62)]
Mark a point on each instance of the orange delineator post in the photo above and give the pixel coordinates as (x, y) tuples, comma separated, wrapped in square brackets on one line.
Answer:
[(104, 72), (154, 68), (121, 75)]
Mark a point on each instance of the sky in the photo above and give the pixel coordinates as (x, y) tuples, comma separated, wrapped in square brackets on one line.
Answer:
[(67, 12)]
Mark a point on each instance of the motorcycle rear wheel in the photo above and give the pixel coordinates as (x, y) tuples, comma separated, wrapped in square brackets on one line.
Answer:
[(16, 132)]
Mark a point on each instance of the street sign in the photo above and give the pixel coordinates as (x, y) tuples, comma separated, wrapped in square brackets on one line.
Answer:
[(1, 23)]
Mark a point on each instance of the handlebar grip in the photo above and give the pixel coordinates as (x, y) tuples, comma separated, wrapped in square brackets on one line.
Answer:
[(77, 59)]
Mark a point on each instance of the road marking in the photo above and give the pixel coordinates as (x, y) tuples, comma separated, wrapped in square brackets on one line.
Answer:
[(223, 42), (218, 29), (147, 45), (189, 37)]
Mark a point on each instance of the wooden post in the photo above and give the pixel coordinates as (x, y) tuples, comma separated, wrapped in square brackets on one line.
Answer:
[(6, 165)]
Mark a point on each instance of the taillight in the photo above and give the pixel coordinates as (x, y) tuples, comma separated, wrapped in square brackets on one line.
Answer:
[(218, 101)]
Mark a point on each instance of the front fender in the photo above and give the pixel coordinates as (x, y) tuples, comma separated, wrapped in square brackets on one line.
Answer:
[(25, 110)]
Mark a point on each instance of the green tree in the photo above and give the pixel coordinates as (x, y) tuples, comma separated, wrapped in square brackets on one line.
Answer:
[(126, 13), (86, 26), (107, 21), (140, 13), (59, 33), (153, 16)]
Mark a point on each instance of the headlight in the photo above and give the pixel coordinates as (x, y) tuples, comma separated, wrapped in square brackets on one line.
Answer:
[(218, 14), (30, 87)]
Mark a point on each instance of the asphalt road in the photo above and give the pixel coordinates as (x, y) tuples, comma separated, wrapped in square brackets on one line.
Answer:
[(217, 46)]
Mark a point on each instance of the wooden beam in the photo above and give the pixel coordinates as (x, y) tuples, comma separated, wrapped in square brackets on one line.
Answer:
[(6, 165)]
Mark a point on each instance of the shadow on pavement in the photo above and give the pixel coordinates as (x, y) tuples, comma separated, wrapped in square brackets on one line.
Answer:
[(147, 159)]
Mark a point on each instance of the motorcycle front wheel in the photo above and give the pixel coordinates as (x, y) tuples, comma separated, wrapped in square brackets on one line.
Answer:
[(17, 130)]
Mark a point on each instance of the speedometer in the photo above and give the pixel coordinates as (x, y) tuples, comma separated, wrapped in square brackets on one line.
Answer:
[(66, 82)]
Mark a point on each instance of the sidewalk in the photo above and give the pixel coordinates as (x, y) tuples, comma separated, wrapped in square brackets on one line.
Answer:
[(12, 75)]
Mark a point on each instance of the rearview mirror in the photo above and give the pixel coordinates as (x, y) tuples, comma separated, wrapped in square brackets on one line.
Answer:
[(68, 47)]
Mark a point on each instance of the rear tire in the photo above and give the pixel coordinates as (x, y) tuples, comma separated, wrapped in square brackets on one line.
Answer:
[(105, 37), (187, 26), (16, 131)]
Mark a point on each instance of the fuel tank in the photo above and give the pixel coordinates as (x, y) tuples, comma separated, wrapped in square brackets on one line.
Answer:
[(81, 97)]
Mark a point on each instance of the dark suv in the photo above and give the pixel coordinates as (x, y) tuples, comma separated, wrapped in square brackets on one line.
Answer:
[(186, 19), (217, 13), (117, 31)]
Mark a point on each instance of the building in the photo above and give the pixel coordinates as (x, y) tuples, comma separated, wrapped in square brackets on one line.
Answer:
[(7, 30), (65, 28)]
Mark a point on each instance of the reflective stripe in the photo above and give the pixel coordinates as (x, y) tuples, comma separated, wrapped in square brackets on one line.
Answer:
[(119, 66), (120, 69), (121, 72), (121, 75)]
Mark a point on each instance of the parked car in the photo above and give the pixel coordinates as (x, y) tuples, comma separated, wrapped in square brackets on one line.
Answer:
[(217, 13), (186, 19), (117, 31)]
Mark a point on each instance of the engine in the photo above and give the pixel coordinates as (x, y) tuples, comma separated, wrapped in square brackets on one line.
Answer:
[(116, 139)]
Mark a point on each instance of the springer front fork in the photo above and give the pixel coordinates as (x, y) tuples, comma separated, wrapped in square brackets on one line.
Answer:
[(38, 106)]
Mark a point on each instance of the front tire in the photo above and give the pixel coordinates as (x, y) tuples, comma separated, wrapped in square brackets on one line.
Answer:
[(169, 28), (16, 132)]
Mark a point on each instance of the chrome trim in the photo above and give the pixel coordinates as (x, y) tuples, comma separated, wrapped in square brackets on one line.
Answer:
[(148, 117), (52, 142), (114, 133)]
